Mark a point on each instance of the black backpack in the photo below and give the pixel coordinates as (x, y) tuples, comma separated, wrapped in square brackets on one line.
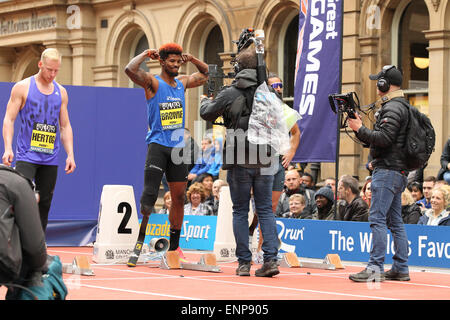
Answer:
[(420, 138)]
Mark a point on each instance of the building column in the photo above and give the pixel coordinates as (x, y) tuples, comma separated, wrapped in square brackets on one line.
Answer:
[(352, 157), (83, 61), (438, 93), (369, 46), (105, 76), (227, 67)]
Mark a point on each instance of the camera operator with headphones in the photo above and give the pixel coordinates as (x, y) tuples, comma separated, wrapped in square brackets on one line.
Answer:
[(389, 178)]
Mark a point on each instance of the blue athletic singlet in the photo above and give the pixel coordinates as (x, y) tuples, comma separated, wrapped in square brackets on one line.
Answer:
[(165, 112), (38, 138)]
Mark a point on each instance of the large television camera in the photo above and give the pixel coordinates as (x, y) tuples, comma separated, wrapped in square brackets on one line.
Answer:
[(246, 38), (345, 103), (214, 76)]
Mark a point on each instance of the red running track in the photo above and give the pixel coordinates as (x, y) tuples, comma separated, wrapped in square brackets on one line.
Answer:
[(149, 282)]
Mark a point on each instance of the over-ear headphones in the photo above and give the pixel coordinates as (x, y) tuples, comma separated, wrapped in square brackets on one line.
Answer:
[(383, 83)]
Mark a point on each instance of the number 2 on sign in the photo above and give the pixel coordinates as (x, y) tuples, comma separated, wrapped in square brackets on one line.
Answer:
[(122, 227)]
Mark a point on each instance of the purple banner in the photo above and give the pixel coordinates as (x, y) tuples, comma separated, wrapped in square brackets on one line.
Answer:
[(317, 75)]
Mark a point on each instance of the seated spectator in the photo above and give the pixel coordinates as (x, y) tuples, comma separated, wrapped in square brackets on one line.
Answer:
[(167, 203), (217, 185), (427, 187), (366, 191), (293, 185), (207, 181), (203, 162), (308, 181), (18, 202), (354, 208), (297, 204), (416, 190), (196, 201), (437, 215), (324, 204), (444, 171), (440, 183), (331, 182), (216, 162), (410, 210)]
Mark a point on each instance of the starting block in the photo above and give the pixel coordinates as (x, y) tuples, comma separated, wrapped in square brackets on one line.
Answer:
[(80, 265), (331, 262), (207, 263)]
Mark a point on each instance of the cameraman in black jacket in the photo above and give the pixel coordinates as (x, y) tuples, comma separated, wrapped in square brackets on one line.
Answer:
[(389, 177), (247, 164)]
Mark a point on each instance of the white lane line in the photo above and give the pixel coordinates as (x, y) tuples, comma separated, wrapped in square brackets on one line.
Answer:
[(140, 292), (292, 289), (69, 252)]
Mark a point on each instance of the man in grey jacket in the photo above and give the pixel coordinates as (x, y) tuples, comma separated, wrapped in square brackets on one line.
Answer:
[(245, 163)]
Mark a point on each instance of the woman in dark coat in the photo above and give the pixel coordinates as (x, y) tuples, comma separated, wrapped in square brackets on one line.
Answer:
[(410, 210)]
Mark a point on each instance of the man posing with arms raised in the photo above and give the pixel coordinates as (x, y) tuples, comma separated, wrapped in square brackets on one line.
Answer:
[(42, 105), (245, 163), (387, 141), (165, 94)]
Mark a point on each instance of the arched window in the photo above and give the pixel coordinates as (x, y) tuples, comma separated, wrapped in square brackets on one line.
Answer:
[(412, 54), (32, 68), (141, 45), (213, 47)]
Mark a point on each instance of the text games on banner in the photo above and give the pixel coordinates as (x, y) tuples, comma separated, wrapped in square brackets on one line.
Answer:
[(317, 75)]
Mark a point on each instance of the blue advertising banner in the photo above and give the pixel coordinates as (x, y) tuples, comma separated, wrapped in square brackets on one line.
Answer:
[(317, 75), (428, 245), (198, 232)]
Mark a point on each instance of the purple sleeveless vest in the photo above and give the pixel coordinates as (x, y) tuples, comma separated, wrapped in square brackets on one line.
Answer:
[(38, 138)]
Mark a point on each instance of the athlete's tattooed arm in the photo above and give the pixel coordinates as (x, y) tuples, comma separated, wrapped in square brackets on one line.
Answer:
[(198, 78), (139, 76)]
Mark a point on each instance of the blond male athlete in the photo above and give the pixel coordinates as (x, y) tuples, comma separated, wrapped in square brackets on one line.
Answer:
[(42, 105)]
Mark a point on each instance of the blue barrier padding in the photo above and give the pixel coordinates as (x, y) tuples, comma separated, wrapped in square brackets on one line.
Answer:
[(198, 232), (70, 233), (109, 127)]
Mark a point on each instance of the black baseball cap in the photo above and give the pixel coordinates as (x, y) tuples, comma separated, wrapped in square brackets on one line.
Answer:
[(391, 73)]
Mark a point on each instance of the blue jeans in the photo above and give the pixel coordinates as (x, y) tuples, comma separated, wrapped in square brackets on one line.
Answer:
[(241, 181), (386, 210)]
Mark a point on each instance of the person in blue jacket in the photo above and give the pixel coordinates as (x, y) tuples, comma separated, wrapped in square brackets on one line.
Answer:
[(204, 161), (216, 164)]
